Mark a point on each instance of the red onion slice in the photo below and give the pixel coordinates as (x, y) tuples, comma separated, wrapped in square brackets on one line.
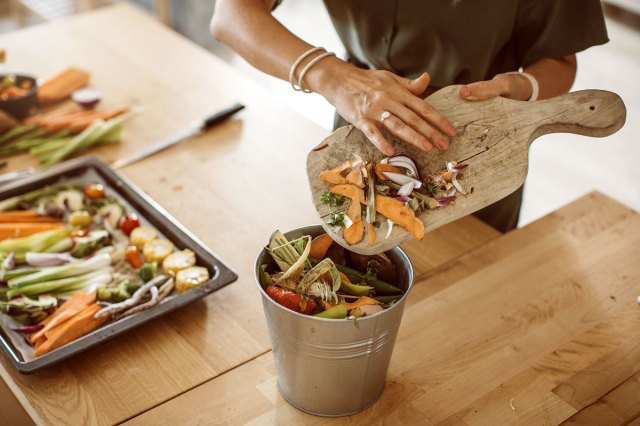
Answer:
[(401, 179), (447, 200), (405, 162), (406, 189), (47, 259)]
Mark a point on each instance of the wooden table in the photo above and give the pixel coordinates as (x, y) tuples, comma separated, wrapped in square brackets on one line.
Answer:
[(538, 326)]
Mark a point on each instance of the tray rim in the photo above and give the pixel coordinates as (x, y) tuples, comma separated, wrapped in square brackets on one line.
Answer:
[(151, 211)]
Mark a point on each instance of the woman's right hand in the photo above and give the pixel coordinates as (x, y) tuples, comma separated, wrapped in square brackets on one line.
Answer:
[(362, 96)]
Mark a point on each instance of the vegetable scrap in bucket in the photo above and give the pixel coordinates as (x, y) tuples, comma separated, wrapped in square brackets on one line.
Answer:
[(393, 189), (320, 278)]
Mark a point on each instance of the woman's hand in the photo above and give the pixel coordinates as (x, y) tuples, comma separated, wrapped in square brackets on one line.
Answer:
[(554, 76), (372, 99), (512, 86)]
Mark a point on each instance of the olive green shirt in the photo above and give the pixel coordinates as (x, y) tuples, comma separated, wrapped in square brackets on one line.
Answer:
[(462, 41)]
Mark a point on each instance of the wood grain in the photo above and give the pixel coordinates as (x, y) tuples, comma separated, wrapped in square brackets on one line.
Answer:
[(493, 139), (509, 324)]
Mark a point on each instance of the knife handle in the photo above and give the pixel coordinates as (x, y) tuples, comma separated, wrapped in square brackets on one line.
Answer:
[(220, 116)]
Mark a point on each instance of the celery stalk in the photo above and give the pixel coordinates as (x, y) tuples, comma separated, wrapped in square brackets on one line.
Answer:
[(65, 271), (36, 242), (98, 278), (15, 132)]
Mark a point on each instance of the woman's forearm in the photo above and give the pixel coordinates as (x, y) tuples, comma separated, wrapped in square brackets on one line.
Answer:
[(248, 27), (555, 75)]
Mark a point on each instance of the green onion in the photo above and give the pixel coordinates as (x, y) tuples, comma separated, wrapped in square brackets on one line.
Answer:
[(69, 270)]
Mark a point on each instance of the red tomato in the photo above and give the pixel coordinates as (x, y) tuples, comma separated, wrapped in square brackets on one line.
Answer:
[(94, 192), (291, 300), (133, 256), (129, 223)]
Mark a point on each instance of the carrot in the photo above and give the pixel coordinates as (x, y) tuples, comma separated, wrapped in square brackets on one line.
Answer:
[(363, 300), (23, 213), (79, 124), (81, 324), (336, 175), (355, 233), (371, 233), (17, 217), (62, 85), (319, 246), (67, 310), (18, 230), (401, 214), (349, 191), (380, 168)]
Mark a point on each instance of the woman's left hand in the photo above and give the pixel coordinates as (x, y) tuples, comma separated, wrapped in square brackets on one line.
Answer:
[(512, 86)]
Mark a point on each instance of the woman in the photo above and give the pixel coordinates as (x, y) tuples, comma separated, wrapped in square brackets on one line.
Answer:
[(400, 51)]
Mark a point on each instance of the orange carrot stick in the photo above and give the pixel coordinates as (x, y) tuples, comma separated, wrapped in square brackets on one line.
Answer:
[(319, 246)]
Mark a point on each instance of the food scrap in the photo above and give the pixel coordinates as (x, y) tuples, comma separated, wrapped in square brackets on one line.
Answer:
[(317, 277), (72, 259), (394, 189)]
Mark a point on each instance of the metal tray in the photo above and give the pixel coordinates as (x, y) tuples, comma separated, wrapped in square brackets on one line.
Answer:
[(149, 212)]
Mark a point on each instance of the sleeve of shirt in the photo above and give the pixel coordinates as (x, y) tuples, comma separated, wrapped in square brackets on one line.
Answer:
[(556, 28)]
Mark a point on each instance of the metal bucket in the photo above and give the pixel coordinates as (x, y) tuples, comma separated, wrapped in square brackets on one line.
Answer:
[(333, 367)]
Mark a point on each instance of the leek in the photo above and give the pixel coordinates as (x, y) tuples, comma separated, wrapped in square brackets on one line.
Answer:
[(65, 285), (57, 272)]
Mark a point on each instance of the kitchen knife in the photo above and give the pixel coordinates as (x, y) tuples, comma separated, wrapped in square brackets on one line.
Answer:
[(194, 129)]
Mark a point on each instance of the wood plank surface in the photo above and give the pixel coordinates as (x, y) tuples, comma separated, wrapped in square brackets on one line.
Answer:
[(538, 326)]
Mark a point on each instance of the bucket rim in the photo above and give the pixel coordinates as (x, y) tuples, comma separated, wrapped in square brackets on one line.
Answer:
[(396, 250)]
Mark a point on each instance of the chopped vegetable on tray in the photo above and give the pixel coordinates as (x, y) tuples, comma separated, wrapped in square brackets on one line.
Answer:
[(72, 259)]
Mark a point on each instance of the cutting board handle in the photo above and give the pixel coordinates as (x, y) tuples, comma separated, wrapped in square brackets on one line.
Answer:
[(596, 113)]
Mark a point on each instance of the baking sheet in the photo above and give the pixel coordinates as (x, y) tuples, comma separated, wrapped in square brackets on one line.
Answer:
[(91, 169)]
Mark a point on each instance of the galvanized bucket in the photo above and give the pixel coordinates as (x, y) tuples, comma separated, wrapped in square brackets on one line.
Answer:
[(333, 367)]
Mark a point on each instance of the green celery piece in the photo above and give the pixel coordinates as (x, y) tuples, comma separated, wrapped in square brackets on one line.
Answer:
[(48, 147), (13, 202), (15, 132), (36, 242), (94, 131), (64, 284), (97, 131)]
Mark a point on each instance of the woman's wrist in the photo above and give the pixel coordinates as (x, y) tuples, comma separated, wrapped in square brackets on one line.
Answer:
[(519, 87), (323, 76)]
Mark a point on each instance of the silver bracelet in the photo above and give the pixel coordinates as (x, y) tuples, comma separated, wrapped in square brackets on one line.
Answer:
[(308, 67), (292, 72), (535, 88)]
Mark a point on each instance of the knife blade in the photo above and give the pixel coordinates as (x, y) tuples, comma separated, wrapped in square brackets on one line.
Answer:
[(194, 129)]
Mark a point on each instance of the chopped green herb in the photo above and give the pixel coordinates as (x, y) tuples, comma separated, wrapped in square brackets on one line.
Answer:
[(432, 188), (336, 219), (331, 199), (414, 204), (382, 189)]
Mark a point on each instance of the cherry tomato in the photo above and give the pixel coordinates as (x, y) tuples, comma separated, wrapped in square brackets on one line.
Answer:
[(129, 223), (291, 300), (94, 191), (133, 256)]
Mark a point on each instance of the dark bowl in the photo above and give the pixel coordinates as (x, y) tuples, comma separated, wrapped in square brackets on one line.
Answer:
[(19, 107)]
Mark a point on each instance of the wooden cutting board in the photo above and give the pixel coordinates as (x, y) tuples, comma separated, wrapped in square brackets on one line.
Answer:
[(493, 137)]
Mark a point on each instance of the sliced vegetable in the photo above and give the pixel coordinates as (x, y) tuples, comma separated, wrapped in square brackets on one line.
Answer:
[(94, 191), (320, 245), (335, 312), (80, 218), (401, 214), (29, 311), (84, 246), (148, 271), (291, 300), (133, 256), (178, 261), (129, 223), (157, 250), (142, 235), (186, 279), (113, 212)]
